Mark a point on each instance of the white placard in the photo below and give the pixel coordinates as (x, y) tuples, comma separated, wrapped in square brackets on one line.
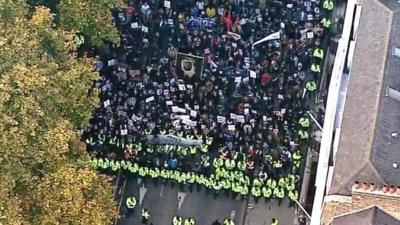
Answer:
[(253, 74), (193, 113), (159, 91), (238, 79), (145, 29), (231, 127), (106, 103), (124, 132), (135, 118), (246, 111), (166, 92), (246, 79), (150, 99), (310, 34), (240, 119), (221, 119), (134, 25), (175, 109), (280, 97), (196, 107), (193, 123), (181, 117), (167, 4), (130, 122), (111, 62), (170, 21), (233, 116), (181, 87), (265, 118), (169, 103), (234, 36), (189, 86), (283, 111), (189, 122)]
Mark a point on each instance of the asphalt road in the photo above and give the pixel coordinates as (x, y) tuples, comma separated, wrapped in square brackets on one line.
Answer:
[(162, 201)]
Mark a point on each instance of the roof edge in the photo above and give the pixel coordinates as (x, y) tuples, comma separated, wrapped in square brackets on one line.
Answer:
[(382, 71)]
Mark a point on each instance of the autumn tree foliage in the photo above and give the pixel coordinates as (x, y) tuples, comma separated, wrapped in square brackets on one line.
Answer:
[(91, 18), (44, 177)]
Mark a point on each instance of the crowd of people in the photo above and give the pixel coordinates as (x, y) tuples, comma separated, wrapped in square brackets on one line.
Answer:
[(196, 70)]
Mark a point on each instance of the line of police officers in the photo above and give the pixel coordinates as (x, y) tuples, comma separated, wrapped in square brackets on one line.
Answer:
[(231, 182)]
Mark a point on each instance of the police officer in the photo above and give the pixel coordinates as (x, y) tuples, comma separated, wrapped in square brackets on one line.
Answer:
[(274, 221), (229, 221), (311, 86), (177, 220), (130, 205), (189, 221), (145, 215)]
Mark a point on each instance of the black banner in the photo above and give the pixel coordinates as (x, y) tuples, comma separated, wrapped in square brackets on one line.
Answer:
[(189, 65)]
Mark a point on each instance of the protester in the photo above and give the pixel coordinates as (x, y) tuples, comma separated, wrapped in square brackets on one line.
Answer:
[(231, 82)]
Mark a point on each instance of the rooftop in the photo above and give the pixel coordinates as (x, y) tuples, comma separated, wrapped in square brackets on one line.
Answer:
[(367, 151), (363, 207), (369, 216)]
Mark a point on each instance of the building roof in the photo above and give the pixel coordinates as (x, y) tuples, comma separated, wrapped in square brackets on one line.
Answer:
[(337, 206), (367, 150), (369, 216)]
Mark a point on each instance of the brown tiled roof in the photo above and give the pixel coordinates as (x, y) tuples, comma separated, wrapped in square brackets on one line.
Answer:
[(360, 201), (366, 150), (369, 216)]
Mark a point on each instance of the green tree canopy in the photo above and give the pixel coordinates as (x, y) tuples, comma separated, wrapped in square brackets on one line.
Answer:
[(91, 18), (43, 97)]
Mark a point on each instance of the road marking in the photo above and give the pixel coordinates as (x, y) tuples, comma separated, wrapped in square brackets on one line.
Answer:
[(181, 198), (142, 192), (161, 190), (233, 214)]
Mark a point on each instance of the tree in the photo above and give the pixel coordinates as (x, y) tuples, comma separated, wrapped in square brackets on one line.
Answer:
[(91, 18), (43, 98)]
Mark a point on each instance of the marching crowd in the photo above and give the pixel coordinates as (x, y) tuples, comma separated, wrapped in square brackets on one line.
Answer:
[(191, 69)]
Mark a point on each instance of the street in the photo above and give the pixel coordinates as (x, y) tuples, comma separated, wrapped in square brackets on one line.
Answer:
[(162, 201)]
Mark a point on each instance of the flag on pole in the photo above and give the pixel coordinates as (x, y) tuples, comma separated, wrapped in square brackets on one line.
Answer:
[(272, 36)]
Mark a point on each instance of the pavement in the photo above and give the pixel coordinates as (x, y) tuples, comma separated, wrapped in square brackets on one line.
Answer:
[(162, 201)]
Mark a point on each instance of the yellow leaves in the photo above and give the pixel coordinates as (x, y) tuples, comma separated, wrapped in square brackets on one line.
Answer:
[(29, 78), (42, 16), (43, 96), (91, 18), (57, 138), (63, 201)]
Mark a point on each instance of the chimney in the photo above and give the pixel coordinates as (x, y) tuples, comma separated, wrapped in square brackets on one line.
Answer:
[(372, 186), (385, 188), (392, 189), (365, 186), (356, 185)]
